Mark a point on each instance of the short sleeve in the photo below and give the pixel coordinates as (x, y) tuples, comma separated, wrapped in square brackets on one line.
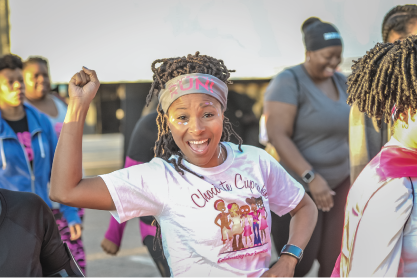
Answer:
[(283, 88), (140, 190), (284, 192)]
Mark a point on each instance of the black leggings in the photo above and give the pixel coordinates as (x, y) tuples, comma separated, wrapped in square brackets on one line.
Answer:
[(326, 241), (158, 258)]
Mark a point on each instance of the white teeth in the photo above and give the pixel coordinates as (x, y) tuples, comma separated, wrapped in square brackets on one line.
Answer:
[(198, 142)]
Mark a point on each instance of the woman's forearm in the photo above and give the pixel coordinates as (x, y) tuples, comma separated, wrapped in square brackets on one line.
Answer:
[(303, 222), (67, 166), (289, 153)]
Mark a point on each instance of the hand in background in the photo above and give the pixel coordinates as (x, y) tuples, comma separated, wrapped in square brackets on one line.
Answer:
[(75, 231), (109, 247), (284, 267), (321, 192)]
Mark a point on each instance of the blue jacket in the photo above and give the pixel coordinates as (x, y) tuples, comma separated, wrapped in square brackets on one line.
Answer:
[(16, 173)]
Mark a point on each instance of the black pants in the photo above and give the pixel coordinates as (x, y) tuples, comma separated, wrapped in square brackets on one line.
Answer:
[(158, 258), (326, 241)]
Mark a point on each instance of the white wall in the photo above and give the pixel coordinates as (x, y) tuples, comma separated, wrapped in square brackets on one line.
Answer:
[(120, 39)]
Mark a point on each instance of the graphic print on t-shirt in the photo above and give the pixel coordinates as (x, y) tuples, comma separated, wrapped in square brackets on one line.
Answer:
[(25, 140), (243, 226)]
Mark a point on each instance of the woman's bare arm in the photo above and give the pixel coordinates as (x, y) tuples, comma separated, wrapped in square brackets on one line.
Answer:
[(280, 119), (67, 185)]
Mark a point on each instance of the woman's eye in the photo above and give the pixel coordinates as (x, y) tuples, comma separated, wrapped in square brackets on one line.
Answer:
[(182, 118), (207, 115)]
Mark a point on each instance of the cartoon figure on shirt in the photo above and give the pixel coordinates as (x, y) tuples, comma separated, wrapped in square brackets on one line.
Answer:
[(247, 221), (263, 216), (255, 216), (224, 220), (237, 229)]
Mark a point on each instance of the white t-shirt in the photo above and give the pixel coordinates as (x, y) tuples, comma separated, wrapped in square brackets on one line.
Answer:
[(385, 244), (239, 244)]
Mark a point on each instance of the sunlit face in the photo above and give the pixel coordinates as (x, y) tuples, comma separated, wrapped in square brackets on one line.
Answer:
[(196, 124), (411, 30), (37, 81), (323, 62), (12, 88)]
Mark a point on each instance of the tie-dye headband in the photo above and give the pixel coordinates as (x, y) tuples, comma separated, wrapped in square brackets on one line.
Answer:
[(194, 83)]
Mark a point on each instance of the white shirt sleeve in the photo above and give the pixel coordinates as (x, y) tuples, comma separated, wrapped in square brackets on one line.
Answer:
[(284, 192), (140, 190), (378, 244)]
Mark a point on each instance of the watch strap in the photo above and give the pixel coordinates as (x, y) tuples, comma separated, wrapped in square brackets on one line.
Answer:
[(293, 251)]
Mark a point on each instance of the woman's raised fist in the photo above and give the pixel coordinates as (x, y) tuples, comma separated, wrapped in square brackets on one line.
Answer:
[(83, 86)]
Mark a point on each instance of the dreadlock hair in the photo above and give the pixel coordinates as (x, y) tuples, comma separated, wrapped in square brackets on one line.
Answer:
[(170, 68), (35, 60), (10, 61), (397, 20), (385, 76)]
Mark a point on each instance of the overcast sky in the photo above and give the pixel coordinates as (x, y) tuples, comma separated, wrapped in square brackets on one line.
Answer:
[(120, 39)]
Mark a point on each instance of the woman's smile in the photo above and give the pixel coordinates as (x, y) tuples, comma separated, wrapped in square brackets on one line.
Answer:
[(199, 147)]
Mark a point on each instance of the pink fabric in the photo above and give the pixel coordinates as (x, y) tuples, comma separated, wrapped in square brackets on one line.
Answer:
[(390, 162), (146, 230), (115, 231), (26, 141), (130, 162)]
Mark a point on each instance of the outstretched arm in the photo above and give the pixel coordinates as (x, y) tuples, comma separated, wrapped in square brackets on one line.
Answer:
[(67, 185)]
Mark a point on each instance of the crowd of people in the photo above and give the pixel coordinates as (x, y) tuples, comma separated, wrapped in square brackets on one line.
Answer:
[(342, 192)]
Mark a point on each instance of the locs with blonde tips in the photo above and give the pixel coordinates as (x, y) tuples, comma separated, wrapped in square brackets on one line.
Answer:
[(170, 69)]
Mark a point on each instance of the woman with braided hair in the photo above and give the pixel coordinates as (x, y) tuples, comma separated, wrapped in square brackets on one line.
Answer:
[(380, 230), (194, 166), (366, 135)]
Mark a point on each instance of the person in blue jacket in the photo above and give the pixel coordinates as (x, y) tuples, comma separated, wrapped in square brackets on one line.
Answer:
[(27, 141)]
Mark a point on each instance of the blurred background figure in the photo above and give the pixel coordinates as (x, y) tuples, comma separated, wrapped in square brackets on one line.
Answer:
[(141, 150), (307, 122), (30, 242), (38, 94), (366, 137)]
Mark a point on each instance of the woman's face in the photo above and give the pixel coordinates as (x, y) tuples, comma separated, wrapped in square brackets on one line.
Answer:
[(221, 207), (37, 81), (323, 62), (196, 124), (12, 88), (411, 30)]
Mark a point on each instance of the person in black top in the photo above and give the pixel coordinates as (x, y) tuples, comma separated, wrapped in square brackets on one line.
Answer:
[(145, 132), (30, 243)]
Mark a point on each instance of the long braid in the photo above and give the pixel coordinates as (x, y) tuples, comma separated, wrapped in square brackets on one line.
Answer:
[(397, 20), (170, 68), (385, 76)]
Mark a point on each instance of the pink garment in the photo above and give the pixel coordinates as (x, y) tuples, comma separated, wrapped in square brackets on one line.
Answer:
[(248, 229), (264, 223), (26, 141), (390, 162)]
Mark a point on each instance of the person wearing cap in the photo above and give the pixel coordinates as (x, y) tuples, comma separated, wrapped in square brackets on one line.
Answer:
[(194, 166), (307, 122), (368, 135)]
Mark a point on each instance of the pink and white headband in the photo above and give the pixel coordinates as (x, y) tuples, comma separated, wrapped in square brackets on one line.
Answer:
[(194, 83)]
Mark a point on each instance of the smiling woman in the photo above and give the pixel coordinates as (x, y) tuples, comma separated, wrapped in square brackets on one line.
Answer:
[(194, 167)]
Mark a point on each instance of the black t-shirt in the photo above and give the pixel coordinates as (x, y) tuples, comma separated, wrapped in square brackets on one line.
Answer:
[(30, 243), (21, 127), (141, 144)]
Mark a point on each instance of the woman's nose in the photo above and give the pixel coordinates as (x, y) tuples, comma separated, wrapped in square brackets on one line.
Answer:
[(196, 126)]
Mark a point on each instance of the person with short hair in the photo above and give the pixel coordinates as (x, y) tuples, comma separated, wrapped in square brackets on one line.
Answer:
[(38, 94), (27, 139)]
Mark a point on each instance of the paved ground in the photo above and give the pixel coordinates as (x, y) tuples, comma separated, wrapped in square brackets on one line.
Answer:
[(102, 154)]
